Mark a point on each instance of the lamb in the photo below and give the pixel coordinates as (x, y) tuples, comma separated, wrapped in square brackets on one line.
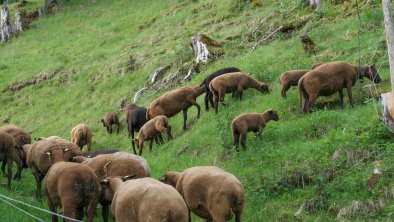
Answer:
[(144, 199), (171, 103), (111, 165), (247, 122), (7, 152), (72, 186), (208, 79), (135, 118), (21, 138), (81, 135), (290, 78), (151, 130), (38, 161), (111, 118), (234, 82), (209, 192), (328, 78)]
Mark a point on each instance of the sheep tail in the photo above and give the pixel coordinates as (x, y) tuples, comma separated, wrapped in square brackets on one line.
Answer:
[(301, 89)]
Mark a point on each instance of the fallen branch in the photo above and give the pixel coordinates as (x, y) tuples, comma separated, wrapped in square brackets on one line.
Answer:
[(138, 94), (265, 38)]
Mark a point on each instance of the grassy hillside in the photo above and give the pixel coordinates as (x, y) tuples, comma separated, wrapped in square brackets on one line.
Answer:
[(88, 45)]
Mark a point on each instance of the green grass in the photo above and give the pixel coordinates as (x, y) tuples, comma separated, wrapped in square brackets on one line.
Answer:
[(91, 41)]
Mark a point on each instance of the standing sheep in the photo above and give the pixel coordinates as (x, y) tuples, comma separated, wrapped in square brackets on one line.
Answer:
[(329, 78), (21, 137), (112, 165), (81, 135), (247, 122), (290, 78), (208, 79), (144, 199), (234, 82), (38, 161), (72, 186), (111, 118), (135, 118), (209, 192), (171, 103), (7, 152), (151, 130)]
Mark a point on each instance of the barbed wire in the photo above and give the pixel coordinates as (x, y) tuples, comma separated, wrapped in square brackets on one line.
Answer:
[(20, 209)]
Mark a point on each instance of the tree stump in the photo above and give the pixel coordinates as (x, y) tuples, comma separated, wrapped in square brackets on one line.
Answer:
[(50, 6), (5, 25), (315, 4), (200, 45), (307, 43), (20, 21)]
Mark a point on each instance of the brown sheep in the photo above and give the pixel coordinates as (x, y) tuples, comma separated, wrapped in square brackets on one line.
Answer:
[(290, 78), (38, 161), (329, 78), (111, 118), (111, 165), (151, 130), (47, 138), (248, 122), (7, 152), (129, 108), (171, 103), (234, 82), (72, 186), (81, 135), (209, 192), (144, 199), (21, 138)]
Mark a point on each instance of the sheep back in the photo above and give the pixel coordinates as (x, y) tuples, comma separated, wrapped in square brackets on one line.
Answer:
[(149, 200)]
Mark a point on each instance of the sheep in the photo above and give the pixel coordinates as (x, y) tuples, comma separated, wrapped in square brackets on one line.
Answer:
[(151, 130), (21, 138), (110, 118), (208, 79), (209, 192), (38, 162), (290, 78), (7, 152), (135, 119), (171, 103), (47, 138), (328, 78), (234, 82), (111, 165), (72, 186), (144, 199), (91, 154), (81, 135), (246, 122)]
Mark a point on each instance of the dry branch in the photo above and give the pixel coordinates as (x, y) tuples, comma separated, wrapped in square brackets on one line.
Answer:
[(265, 38)]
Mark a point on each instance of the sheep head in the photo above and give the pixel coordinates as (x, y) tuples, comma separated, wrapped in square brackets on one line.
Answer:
[(273, 114), (263, 88), (170, 178)]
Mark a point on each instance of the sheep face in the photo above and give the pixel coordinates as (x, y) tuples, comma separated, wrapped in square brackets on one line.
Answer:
[(103, 122), (22, 155), (273, 115), (372, 74), (106, 192), (264, 88), (169, 178)]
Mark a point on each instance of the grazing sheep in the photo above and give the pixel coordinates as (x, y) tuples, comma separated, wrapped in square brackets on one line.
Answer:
[(234, 82), (290, 78), (208, 79), (111, 165), (329, 78), (151, 130), (135, 119), (72, 186), (254, 122), (171, 103), (7, 152), (209, 192), (38, 161), (92, 154), (144, 199), (81, 135), (21, 137), (129, 108), (111, 118)]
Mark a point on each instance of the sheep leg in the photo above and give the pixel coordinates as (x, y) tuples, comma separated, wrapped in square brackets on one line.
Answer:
[(157, 140), (206, 101), (184, 118), (68, 211), (110, 129), (198, 107), (240, 95), (150, 145), (285, 88), (349, 93), (105, 211), (238, 216), (79, 214), (118, 125), (141, 144), (38, 176), (132, 141), (235, 139), (341, 97), (311, 102), (3, 168), (216, 104), (243, 140), (10, 161), (211, 100), (52, 208)]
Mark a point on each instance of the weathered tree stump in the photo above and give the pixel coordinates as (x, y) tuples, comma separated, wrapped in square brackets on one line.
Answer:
[(50, 6), (315, 4), (307, 43), (20, 21), (200, 45), (5, 25)]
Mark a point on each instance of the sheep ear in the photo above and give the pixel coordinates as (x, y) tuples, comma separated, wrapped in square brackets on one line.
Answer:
[(125, 178), (48, 153), (104, 182), (163, 179), (66, 150)]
